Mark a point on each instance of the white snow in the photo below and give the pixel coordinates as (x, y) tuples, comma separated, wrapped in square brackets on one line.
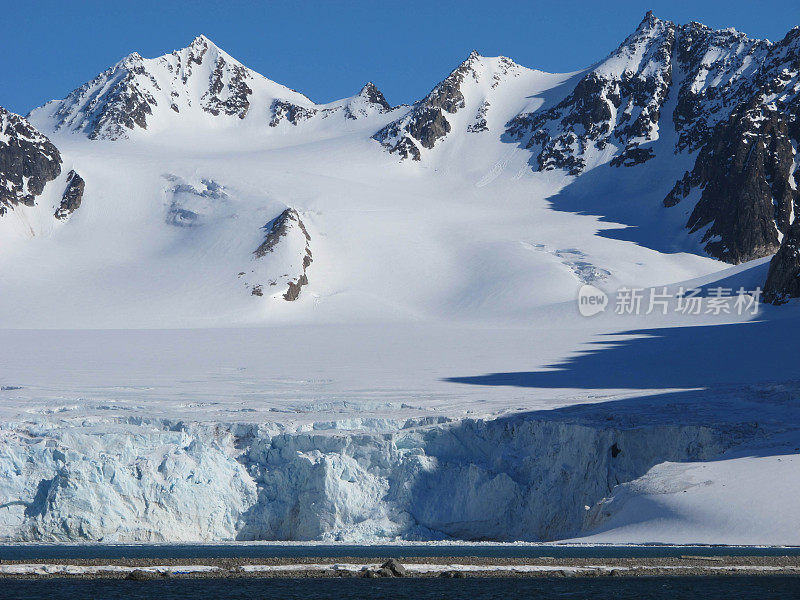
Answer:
[(434, 380)]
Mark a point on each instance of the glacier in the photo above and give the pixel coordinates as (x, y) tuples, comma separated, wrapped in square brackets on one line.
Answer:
[(528, 477), (164, 378)]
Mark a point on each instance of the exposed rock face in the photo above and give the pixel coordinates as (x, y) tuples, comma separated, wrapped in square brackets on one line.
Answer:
[(618, 106), (427, 123), (732, 98), (129, 95), (115, 101), (717, 68), (479, 124), (369, 101), (287, 238), (746, 172), (28, 160), (291, 113), (743, 175), (783, 279), (617, 103), (73, 194)]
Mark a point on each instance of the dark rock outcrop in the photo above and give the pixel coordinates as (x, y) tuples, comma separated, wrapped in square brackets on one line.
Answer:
[(426, 123), (73, 194), (374, 96), (125, 97), (124, 103), (745, 174), (369, 99), (619, 102), (141, 575), (394, 567), (292, 113), (743, 177), (279, 228), (479, 124), (735, 101), (783, 278), (237, 100), (28, 161)]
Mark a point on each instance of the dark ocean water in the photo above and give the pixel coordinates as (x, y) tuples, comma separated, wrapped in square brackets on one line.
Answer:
[(678, 588), (177, 551)]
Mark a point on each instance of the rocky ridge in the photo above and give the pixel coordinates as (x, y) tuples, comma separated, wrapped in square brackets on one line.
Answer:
[(427, 122), (288, 237), (28, 161)]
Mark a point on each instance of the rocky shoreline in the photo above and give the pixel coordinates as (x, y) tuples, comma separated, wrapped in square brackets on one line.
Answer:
[(455, 567)]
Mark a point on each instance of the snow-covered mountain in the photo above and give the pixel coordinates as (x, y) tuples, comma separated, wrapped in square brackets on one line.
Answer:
[(462, 102), (28, 161), (405, 354), (187, 87), (694, 88), (709, 116)]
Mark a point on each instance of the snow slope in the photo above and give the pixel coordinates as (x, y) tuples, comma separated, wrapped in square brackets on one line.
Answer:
[(431, 379)]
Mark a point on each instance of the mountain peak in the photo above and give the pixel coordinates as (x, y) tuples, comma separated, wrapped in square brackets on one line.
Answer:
[(649, 20), (202, 41), (133, 60), (373, 95), (651, 26)]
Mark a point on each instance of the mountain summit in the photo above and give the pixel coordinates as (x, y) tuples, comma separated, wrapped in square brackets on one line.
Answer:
[(684, 138), (187, 87)]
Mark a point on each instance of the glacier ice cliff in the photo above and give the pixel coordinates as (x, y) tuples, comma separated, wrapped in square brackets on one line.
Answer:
[(520, 477)]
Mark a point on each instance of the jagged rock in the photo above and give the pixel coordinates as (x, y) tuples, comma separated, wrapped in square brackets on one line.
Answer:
[(619, 102), (783, 278), (479, 124), (277, 229), (718, 68), (200, 78), (394, 567), (369, 574), (736, 100), (73, 194), (124, 102), (453, 574), (291, 113), (369, 101), (228, 92), (293, 293), (287, 225), (28, 161), (743, 175), (141, 575), (426, 123)]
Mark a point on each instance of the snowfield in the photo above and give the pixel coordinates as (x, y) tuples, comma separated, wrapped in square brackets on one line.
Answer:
[(433, 380)]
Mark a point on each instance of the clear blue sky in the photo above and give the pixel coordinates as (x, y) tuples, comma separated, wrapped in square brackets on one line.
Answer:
[(329, 49)]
